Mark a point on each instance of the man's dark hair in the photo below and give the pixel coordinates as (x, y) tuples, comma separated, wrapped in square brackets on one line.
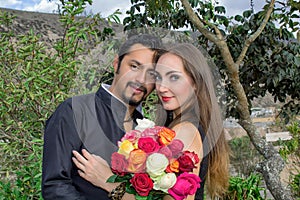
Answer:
[(152, 42)]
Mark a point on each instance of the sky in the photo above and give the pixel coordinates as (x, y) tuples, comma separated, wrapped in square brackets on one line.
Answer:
[(106, 7)]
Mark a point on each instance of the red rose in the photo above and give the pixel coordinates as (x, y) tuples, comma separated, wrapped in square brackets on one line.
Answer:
[(176, 146), (186, 164), (148, 145), (142, 183), (193, 156), (119, 164), (186, 184)]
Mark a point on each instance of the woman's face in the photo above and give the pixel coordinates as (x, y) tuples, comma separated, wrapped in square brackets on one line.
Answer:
[(174, 86)]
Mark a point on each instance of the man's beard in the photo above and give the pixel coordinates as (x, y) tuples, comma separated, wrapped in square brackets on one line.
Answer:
[(130, 100)]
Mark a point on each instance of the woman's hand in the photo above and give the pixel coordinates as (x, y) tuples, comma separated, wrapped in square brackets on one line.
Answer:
[(93, 169)]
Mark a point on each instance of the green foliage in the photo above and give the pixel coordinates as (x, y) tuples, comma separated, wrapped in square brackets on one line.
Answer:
[(244, 156), (35, 78), (291, 146), (245, 188), (295, 184), (272, 60)]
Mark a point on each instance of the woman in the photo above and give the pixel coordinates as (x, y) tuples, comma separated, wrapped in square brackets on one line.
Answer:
[(186, 91), (189, 106)]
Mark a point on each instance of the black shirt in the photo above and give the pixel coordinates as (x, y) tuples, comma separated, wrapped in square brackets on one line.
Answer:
[(93, 122)]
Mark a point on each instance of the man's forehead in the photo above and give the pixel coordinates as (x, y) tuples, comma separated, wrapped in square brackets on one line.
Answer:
[(137, 47)]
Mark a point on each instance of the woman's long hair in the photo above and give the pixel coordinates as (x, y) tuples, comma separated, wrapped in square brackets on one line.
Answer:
[(204, 110)]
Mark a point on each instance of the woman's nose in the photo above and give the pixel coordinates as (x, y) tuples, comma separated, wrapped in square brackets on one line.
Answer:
[(161, 87)]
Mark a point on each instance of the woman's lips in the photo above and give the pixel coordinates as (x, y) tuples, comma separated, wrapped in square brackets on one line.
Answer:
[(166, 99)]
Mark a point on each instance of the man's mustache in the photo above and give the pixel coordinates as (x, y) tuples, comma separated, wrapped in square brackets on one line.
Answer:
[(138, 86)]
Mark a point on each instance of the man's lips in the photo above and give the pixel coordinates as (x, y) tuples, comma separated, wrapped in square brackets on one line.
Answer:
[(137, 89)]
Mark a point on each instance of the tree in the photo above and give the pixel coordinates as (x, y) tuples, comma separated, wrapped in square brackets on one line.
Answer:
[(257, 57)]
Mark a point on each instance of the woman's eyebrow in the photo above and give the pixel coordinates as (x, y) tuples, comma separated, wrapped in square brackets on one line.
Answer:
[(171, 72)]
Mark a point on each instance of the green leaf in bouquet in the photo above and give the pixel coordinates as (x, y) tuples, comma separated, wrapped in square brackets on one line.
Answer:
[(138, 197), (130, 189), (117, 178), (112, 179)]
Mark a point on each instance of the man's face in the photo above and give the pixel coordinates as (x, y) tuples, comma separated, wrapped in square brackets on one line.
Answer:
[(136, 77)]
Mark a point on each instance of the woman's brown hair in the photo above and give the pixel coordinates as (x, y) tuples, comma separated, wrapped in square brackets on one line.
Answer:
[(204, 110)]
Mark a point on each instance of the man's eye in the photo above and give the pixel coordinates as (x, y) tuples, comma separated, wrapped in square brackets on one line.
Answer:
[(135, 67)]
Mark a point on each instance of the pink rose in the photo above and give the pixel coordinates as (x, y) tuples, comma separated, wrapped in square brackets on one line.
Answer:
[(119, 164), (176, 146), (142, 183), (151, 132), (166, 151), (148, 144), (131, 136), (186, 184)]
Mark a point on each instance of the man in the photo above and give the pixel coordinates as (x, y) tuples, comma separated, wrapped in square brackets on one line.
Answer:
[(97, 121)]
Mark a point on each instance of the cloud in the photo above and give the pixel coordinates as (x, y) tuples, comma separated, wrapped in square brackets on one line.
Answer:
[(105, 8), (238, 7), (10, 3), (42, 6)]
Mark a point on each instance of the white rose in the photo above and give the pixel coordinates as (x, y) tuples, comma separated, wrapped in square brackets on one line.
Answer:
[(156, 164), (143, 124), (165, 182)]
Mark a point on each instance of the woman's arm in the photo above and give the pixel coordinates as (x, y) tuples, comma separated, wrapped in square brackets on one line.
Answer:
[(191, 138)]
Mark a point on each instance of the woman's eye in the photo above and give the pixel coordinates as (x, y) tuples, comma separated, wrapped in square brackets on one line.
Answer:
[(151, 75), (158, 77), (174, 77)]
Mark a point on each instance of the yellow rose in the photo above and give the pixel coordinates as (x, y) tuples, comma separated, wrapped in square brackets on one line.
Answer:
[(125, 148)]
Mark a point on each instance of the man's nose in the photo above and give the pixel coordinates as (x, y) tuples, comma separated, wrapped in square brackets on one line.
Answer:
[(141, 77)]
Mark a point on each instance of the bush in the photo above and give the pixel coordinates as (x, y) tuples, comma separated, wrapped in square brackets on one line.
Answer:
[(245, 188), (35, 78)]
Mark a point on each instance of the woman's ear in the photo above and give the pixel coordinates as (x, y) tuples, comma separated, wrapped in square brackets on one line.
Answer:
[(116, 63)]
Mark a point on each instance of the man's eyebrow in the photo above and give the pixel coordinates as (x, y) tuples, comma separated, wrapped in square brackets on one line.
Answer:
[(136, 62)]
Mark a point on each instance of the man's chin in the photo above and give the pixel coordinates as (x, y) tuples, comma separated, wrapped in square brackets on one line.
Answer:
[(134, 103)]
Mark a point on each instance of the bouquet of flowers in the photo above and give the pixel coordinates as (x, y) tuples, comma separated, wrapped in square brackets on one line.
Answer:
[(153, 164)]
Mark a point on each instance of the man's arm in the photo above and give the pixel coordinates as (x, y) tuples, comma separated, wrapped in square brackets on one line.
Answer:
[(60, 139)]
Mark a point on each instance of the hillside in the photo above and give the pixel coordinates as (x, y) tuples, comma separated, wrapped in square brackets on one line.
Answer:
[(45, 24)]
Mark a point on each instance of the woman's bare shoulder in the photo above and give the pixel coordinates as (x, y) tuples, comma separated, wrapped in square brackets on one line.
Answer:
[(186, 127), (189, 135)]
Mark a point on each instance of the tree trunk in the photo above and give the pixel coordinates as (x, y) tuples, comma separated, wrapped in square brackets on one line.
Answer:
[(273, 163)]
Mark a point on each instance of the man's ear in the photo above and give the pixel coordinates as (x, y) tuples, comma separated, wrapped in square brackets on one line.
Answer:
[(116, 63)]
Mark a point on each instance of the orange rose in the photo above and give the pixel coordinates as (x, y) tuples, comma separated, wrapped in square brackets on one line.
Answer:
[(137, 161), (173, 166), (166, 135)]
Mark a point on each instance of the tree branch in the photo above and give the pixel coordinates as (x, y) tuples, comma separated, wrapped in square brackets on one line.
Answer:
[(197, 22), (252, 37)]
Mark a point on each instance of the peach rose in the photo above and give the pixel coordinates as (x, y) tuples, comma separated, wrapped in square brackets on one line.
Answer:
[(137, 161), (166, 135)]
